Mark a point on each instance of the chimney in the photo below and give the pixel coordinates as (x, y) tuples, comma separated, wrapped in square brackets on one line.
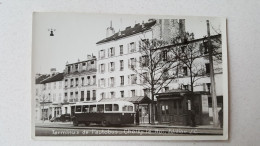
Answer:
[(110, 30), (53, 71), (89, 57)]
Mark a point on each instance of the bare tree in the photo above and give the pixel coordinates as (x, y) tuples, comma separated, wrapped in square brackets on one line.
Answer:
[(190, 54), (157, 68)]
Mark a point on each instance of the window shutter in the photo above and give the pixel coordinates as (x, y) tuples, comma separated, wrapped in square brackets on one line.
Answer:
[(108, 67), (104, 53), (129, 81), (114, 51), (128, 47), (129, 64)]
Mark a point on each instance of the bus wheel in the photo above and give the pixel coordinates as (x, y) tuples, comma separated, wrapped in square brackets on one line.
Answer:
[(75, 122), (105, 123), (87, 123)]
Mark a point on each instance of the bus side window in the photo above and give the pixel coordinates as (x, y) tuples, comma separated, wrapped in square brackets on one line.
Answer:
[(115, 107), (78, 108), (130, 108), (108, 107), (100, 108), (124, 108), (85, 109), (92, 108)]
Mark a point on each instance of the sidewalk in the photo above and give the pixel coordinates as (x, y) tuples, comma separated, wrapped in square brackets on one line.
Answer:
[(146, 125)]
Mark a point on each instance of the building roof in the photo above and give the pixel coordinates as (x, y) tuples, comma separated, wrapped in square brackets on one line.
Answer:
[(136, 99), (129, 31), (41, 78), (54, 78)]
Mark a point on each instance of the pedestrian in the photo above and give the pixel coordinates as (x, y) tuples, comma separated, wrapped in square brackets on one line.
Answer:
[(137, 117), (220, 117)]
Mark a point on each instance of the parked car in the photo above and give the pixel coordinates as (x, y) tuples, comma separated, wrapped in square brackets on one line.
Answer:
[(65, 117)]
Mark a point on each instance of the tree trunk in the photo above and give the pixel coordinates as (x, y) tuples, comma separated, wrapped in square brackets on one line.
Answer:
[(152, 109)]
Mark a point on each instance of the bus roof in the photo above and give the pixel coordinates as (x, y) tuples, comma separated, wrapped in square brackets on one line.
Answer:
[(111, 102)]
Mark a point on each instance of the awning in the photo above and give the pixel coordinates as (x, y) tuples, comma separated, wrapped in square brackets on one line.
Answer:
[(135, 100)]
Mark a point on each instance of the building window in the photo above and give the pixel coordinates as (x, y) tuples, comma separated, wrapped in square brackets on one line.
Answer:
[(112, 66), (166, 89), (68, 69), (82, 96), (102, 68), (71, 83), (133, 78), (111, 52), (207, 68), (164, 55), (121, 49), (133, 93), (88, 80), (102, 82), (77, 81), (122, 93), (186, 87), (132, 63), (208, 86), (94, 94), (88, 95), (132, 47), (76, 67), (185, 71), (121, 80), (205, 45), (112, 94), (144, 60), (146, 92), (102, 54), (66, 83), (145, 77), (65, 97), (121, 65), (71, 96), (112, 81), (94, 80), (54, 85), (92, 62), (82, 81), (76, 96)]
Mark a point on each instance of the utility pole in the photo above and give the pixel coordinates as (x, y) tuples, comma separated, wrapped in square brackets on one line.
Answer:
[(212, 79)]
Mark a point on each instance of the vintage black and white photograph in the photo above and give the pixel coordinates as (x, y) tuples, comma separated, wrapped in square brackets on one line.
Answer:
[(129, 77)]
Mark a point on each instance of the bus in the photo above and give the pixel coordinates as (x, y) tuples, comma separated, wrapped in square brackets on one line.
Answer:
[(104, 113)]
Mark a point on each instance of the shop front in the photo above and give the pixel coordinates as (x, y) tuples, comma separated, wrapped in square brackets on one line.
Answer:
[(181, 107)]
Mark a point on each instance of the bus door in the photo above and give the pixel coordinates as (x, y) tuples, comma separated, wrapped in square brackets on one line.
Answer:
[(72, 111)]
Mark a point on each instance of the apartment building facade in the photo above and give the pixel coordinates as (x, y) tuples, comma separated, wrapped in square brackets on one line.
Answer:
[(52, 95), (119, 57), (38, 94), (79, 83)]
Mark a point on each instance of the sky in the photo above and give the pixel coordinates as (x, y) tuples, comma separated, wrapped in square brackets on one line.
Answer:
[(76, 35)]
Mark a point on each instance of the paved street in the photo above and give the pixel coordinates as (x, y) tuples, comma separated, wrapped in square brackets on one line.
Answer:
[(67, 129)]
